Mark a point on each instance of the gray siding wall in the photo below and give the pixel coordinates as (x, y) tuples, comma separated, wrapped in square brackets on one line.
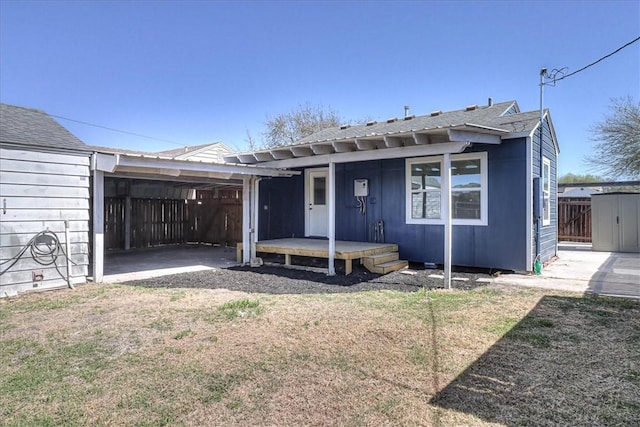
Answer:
[(549, 233), (40, 191)]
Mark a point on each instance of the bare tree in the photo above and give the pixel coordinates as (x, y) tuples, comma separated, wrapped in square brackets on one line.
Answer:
[(287, 128), (250, 140), (617, 150)]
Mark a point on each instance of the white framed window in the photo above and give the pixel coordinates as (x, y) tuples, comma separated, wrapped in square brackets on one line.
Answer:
[(546, 191), (469, 189)]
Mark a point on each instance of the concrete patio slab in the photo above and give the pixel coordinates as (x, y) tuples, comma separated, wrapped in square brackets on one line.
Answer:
[(579, 269), (124, 266)]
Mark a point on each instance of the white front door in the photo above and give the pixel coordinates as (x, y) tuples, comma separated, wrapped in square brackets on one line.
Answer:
[(316, 202)]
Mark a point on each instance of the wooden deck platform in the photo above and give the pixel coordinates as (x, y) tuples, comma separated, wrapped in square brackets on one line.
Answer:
[(319, 248)]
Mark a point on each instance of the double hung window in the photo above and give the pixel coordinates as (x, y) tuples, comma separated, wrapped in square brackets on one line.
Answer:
[(424, 191)]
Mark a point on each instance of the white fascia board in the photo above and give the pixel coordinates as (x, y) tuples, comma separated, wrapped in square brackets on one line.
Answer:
[(517, 135), (104, 162), (551, 129), (361, 156), (185, 166), (474, 137)]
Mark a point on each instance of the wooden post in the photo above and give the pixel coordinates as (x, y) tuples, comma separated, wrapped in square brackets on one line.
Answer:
[(447, 217), (98, 226), (331, 208)]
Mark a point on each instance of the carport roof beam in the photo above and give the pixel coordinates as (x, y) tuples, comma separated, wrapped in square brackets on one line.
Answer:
[(143, 164)]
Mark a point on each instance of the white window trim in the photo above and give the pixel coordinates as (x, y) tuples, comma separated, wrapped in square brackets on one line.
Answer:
[(484, 189), (546, 194)]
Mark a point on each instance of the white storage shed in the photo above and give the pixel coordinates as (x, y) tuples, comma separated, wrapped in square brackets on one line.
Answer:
[(616, 222)]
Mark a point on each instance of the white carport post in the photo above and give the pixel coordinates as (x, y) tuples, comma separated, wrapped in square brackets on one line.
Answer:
[(331, 207), (246, 219), (254, 215), (98, 224), (446, 213)]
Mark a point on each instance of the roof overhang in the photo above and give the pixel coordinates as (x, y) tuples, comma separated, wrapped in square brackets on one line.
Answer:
[(178, 170), (412, 143)]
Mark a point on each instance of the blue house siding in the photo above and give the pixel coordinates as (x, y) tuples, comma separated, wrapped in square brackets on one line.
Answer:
[(284, 213), (500, 244), (548, 233)]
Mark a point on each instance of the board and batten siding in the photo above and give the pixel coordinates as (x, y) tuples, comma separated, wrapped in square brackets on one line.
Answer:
[(548, 233), (499, 244), (39, 191)]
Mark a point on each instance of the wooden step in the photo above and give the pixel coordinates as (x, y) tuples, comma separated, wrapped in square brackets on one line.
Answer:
[(384, 263), (380, 258), (388, 267)]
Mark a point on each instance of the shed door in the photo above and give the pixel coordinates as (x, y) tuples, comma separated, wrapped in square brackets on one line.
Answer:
[(605, 234), (629, 217), (316, 203)]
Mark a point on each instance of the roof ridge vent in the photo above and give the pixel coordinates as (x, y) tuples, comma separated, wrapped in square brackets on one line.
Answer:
[(343, 127), (371, 123), (471, 107), (436, 113), (392, 119), (409, 117)]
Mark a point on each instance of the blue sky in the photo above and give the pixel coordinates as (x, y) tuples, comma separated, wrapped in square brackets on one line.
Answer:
[(199, 72)]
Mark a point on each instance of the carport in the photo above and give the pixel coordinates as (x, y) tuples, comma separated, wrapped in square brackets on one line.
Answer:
[(112, 171)]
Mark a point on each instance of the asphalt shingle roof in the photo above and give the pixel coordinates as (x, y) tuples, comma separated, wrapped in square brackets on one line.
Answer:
[(27, 126), (484, 116)]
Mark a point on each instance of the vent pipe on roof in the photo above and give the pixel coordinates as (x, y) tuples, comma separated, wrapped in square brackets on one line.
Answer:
[(406, 110), (490, 101)]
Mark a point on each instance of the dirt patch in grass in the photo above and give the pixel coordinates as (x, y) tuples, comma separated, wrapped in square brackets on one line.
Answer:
[(143, 355)]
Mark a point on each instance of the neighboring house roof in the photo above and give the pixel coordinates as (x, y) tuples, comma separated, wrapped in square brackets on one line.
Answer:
[(35, 128), (496, 121), (578, 192), (205, 152)]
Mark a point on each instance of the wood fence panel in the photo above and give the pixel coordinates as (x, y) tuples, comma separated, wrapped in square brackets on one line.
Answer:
[(157, 222), (574, 219)]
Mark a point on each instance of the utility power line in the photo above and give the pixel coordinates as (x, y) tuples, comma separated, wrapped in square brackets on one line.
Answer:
[(554, 72), (118, 130)]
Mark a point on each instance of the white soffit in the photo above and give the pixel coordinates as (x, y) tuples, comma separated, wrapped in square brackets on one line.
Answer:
[(142, 165), (373, 146)]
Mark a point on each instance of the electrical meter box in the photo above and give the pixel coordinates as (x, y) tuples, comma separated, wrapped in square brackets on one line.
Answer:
[(361, 187)]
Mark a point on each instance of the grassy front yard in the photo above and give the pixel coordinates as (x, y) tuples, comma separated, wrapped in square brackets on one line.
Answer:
[(118, 355)]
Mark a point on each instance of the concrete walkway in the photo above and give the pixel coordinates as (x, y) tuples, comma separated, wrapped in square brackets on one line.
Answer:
[(579, 269)]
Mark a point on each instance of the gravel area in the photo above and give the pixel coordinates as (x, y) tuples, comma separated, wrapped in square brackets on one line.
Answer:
[(279, 280)]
